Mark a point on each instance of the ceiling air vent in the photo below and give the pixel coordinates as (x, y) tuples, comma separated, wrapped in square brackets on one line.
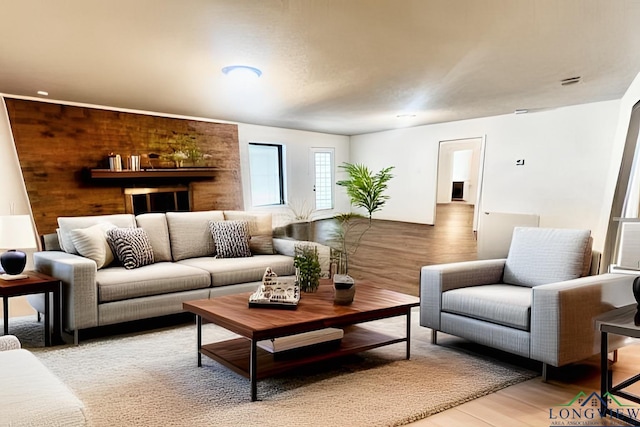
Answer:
[(570, 81)]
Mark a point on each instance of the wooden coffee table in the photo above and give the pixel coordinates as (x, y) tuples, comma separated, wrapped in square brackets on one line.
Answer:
[(315, 311)]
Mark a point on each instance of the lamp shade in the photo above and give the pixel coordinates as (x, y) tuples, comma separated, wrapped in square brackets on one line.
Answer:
[(16, 232)]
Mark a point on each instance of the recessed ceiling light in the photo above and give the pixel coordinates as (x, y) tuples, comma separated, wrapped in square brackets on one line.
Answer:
[(521, 111), (405, 116), (43, 93), (242, 69)]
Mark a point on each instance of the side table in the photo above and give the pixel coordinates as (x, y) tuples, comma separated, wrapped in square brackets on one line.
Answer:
[(620, 322), (36, 283)]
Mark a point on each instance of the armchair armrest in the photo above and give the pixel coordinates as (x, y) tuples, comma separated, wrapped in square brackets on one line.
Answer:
[(79, 290), (562, 315), (9, 342), (436, 279)]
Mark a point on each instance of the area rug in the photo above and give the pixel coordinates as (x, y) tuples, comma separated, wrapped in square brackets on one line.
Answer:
[(151, 379)]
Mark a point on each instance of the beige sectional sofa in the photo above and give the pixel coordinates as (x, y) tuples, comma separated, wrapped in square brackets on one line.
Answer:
[(186, 265)]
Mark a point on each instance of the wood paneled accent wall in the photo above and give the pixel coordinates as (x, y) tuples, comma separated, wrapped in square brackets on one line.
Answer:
[(56, 142)]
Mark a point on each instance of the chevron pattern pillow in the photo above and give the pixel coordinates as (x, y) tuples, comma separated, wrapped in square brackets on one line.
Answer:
[(131, 246)]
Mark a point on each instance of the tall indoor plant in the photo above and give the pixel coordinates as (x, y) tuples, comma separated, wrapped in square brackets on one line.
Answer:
[(365, 190)]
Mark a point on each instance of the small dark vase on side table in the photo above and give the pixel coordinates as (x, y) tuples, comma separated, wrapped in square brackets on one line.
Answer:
[(636, 289)]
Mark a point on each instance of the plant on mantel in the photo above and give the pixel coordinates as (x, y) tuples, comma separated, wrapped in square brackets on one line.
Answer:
[(182, 148), (365, 190)]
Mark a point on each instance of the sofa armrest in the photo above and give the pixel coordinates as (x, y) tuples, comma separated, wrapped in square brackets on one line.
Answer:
[(563, 315), (79, 290), (436, 279), (9, 342)]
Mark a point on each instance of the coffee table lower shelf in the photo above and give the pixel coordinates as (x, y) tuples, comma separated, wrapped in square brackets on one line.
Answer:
[(235, 354)]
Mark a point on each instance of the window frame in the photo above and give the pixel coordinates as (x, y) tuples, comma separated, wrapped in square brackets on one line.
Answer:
[(281, 183)]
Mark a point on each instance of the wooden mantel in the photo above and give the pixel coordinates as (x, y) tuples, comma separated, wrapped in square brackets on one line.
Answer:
[(145, 174)]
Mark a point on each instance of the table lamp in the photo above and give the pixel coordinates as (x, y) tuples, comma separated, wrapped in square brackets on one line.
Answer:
[(16, 232)]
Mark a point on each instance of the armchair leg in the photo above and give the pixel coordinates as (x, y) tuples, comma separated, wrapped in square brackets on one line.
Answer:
[(39, 318), (544, 372), (434, 337), (615, 356)]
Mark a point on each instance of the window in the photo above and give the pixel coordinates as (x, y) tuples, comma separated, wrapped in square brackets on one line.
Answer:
[(323, 166), (267, 182)]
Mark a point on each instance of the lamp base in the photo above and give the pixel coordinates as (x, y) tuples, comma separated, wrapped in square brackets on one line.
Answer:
[(13, 262), (13, 276)]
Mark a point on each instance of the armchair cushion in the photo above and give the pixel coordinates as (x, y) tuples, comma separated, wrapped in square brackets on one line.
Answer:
[(538, 256), (506, 305)]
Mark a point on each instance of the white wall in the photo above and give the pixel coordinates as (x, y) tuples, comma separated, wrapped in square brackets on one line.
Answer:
[(299, 168), (567, 155), (14, 199)]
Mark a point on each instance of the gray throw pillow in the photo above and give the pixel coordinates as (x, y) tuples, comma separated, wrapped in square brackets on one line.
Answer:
[(131, 246), (231, 238)]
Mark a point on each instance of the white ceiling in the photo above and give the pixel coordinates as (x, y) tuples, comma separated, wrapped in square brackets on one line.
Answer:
[(336, 66)]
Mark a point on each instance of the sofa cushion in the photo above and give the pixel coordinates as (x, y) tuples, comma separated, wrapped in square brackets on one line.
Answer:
[(231, 238), (190, 235), (66, 224), (229, 271), (538, 256), (131, 246), (505, 305), (260, 229), (91, 242), (155, 224), (118, 283)]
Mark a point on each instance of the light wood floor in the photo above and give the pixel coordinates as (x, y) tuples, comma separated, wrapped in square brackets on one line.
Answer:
[(392, 254)]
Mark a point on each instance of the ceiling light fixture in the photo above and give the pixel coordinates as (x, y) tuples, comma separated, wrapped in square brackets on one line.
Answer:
[(405, 116), (521, 111), (570, 81), (43, 93), (241, 68)]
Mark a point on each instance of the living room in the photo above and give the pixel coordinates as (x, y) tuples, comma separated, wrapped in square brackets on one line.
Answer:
[(572, 152)]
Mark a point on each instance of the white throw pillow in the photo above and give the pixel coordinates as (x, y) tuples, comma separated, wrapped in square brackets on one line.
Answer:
[(91, 242)]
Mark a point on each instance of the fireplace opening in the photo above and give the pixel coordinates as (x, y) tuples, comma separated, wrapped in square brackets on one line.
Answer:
[(156, 200)]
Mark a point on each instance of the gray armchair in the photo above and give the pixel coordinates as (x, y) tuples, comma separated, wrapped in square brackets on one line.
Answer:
[(538, 302)]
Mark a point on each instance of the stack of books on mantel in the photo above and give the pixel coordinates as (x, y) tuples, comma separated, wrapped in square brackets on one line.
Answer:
[(301, 341)]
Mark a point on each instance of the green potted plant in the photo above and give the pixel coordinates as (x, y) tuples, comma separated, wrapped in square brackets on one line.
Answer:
[(365, 190), (307, 264)]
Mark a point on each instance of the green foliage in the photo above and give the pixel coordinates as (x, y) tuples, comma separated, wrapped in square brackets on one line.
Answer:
[(364, 188), (307, 264)]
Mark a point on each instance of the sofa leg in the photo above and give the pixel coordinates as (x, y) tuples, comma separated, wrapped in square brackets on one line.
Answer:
[(38, 317), (434, 337), (76, 337), (615, 356), (545, 371)]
